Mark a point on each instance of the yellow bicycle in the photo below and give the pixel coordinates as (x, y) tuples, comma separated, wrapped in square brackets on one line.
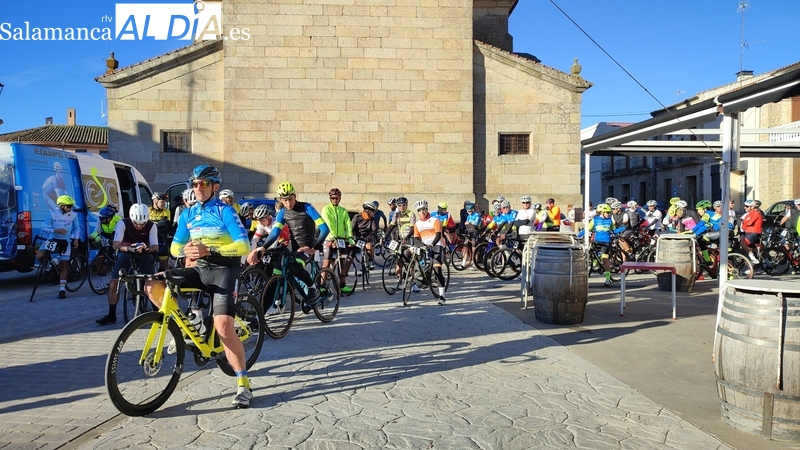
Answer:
[(141, 374)]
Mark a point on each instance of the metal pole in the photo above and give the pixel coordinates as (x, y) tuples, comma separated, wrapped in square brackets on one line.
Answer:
[(587, 182), (729, 133)]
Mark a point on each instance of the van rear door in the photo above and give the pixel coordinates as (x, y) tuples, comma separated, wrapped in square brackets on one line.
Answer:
[(8, 204)]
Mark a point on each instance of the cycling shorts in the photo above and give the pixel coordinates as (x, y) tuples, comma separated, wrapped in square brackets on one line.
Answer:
[(751, 238), (219, 281), (63, 246), (602, 249), (124, 260)]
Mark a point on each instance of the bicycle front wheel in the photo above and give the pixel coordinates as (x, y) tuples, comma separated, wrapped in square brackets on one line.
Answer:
[(250, 327), (100, 274), (278, 303), (478, 255), (136, 383), (409, 276), (778, 260), (511, 264), (326, 306), (132, 305), (347, 281), (252, 281), (461, 257), (76, 274), (739, 267), (389, 276)]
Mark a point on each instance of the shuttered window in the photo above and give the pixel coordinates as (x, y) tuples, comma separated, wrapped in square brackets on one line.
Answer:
[(176, 141)]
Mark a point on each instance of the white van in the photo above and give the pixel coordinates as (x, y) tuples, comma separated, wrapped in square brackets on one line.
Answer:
[(32, 177)]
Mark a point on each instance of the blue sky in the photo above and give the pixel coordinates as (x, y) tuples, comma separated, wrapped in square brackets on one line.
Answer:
[(674, 48)]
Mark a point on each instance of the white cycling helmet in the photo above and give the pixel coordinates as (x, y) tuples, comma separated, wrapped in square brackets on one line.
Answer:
[(496, 208), (526, 199), (262, 211), (797, 201), (537, 206), (652, 203), (225, 193), (189, 198), (632, 204), (139, 213), (505, 204), (422, 204), (611, 200), (717, 203), (616, 205), (681, 204), (245, 209)]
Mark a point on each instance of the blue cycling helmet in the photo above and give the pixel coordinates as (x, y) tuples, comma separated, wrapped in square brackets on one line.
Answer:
[(205, 172), (107, 212)]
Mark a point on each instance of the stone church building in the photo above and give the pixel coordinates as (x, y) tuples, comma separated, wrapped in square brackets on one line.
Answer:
[(380, 98)]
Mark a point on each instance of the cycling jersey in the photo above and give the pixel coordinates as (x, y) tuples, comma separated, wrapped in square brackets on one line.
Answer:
[(503, 220), (157, 215), (105, 230), (554, 213), (653, 219), (338, 220), (364, 227), (445, 218), (58, 220), (426, 230), (602, 227), (215, 224), (633, 218), (405, 222), (474, 219), (378, 217), (752, 222), (301, 221), (526, 214), (128, 234)]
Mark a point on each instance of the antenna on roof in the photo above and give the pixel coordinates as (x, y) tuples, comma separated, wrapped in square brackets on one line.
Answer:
[(743, 6)]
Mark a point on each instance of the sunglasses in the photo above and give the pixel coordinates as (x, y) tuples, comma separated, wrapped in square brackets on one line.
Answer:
[(402, 204), (422, 209), (335, 198), (526, 203), (67, 206), (201, 183)]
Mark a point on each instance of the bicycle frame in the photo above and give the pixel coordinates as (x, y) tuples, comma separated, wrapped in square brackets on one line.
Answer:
[(170, 310)]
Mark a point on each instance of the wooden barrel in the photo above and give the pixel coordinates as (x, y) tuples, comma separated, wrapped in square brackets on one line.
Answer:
[(757, 358), (677, 249), (560, 283)]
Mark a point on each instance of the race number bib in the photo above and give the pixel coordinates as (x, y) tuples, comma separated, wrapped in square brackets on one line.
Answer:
[(50, 246), (360, 244), (416, 250), (393, 245), (341, 243)]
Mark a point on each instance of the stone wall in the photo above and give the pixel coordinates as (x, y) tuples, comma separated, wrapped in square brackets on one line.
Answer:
[(514, 95), (369, 96), (188, 96)]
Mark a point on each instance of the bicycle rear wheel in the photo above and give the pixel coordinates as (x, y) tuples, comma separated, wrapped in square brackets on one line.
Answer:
[(511, 266), (348, 280), (139, 386), (40, 275), (461, 257), (380, 254), (76, 272), (409, 276), (777, 259), (326, 306), (278, 303), (100, 274), (479, 255), (252, 281), (389, 277), (250, 327), (739, 267)]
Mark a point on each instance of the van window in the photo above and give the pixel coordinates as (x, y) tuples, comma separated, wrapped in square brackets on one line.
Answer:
[(145, 195), (8, 198)]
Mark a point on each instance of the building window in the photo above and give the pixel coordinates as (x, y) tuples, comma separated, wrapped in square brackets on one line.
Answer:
[(514, 144), (176, 141)]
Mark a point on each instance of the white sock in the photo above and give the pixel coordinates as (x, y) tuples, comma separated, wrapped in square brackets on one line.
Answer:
[(441, 292)]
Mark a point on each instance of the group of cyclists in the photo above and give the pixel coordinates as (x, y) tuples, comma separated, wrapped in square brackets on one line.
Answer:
[(613, 220)]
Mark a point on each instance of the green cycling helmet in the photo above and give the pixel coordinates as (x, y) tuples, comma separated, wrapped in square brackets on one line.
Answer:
[(705, 204)]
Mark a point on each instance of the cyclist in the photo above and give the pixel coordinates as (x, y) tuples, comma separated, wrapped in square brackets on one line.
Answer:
[(61, 224), (392, 208), (379, 216), (653, 217), (246, 216), (504, 220), (365, 228), (473, 224), (338, 221), (448, 224), (226, 196), (262, 217), (554, 214), (701, 221), (622, 228), (428, 230), (135, 238), (602, 224), (462, 222), (188, 200), (751, 225), (108, 219), (212, 236), (401, 228), (160, 215), (525, 216), (716, 217), (303, 220)]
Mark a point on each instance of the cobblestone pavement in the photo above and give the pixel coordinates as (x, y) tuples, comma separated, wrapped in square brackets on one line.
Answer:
[(466, 375)]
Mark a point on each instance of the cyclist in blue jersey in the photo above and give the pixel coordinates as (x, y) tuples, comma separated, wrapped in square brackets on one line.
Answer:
[(211, 237), (503, 221), (602, 224), (302, 220), (61, 224)]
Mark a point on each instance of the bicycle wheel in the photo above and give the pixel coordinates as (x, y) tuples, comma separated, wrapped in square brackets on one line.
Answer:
[(278, 300), (775, 261), (100, 274), (252, 281), (409, 275), (131, 302), (512, 264), (40, 275), (348, 280), (76, 272), (389, 277), (139, 386), (493, 261), (250, 327), (326, 306), (479, 255), (434, 286), (739, 267), (380, 255)]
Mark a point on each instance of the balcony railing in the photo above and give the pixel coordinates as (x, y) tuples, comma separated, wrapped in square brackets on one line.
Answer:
[(607, 168), (620, 165), (786, 137), (685, 160), (662, 162)]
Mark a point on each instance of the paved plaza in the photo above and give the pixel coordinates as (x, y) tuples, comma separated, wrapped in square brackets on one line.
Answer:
[(467, 375)]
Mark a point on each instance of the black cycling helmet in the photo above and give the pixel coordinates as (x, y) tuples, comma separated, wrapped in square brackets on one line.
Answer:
[(205, 172), (402, 200)]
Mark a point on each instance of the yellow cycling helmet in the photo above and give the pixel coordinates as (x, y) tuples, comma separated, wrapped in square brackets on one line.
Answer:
[(674, 200), (65, 200), (603, 207), (285, 189)]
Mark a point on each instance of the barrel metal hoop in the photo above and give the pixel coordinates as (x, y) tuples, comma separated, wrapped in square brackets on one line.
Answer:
[(758, 323), (753, 299), (772, 312), (754, 341), (756, 393)]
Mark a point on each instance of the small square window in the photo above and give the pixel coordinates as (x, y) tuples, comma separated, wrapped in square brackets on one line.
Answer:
[(514, 144), (176, 141)]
